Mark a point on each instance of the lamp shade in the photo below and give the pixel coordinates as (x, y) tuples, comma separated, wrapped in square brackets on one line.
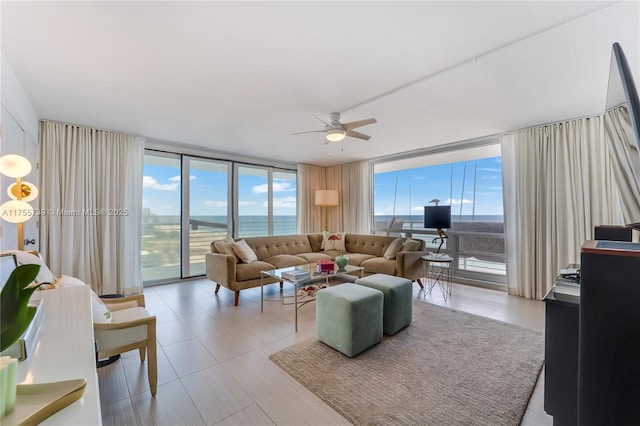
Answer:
[(16, 211), (326, 197), (28, 191), (15, 166), (438, 217)]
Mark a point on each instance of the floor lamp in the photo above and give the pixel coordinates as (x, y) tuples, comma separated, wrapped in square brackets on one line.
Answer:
[(17, 210), (326, 198)]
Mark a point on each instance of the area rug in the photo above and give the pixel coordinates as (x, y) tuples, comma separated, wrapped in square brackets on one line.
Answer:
[(446, 368)]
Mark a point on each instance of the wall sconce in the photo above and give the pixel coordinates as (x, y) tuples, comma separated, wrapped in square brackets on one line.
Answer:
[(17, 210), (326, 198)]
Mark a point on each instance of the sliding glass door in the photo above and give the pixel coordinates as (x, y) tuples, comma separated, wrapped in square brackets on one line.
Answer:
[(161, 214), (189, 202), (206, 198)]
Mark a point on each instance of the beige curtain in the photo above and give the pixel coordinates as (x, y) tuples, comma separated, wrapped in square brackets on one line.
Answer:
[(309, 178), (356, 200), (91, 184), (623, 149), (557, 185), (333, 180), (354, 182)]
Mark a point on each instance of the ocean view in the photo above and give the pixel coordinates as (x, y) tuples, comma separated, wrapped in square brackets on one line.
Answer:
[(161, 238)]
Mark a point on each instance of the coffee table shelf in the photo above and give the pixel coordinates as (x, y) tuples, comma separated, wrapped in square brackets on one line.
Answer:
[(314, 277)]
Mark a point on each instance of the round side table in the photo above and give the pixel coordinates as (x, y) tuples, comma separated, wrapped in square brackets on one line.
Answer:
[(438, 270)]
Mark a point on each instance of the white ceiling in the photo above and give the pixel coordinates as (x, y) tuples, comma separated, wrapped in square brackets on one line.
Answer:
[(240, 77)]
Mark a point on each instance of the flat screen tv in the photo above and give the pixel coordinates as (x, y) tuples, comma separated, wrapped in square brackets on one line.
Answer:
[(437, 217), (622, 122)]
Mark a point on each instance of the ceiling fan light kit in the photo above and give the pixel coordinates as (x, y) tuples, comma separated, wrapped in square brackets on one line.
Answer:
[(336, 131), (335, 135)]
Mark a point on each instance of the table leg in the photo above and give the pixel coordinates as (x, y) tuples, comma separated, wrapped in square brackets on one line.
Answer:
[(261, 294), (295, 298)]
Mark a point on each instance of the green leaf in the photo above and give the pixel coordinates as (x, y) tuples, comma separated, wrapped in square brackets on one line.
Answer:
[(15, 314)]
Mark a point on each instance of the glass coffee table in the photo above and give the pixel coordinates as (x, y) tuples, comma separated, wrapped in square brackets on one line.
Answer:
[(304, 290)]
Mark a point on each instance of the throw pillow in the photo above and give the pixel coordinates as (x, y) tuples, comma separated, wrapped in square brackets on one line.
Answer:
[(101, 314), (226, 247), (99, 311), (410, 245), (333, 241), (393, 249), (44, 275), (66, 281), (244, 252)]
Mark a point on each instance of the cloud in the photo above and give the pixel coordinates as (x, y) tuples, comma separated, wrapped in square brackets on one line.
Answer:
[(284, 202), (490, 169), (277, 187), (454, 201), (214, 203), (177, 178), (150, 183), (417, 208)]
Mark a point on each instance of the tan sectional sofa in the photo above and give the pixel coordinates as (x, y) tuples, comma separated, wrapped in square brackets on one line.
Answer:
[(292, 250)]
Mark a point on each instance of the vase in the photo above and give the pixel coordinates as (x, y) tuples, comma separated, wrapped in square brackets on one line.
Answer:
[(8, 383), (342, 261)]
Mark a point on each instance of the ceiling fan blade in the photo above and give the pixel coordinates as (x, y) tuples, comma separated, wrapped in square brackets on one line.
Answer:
[(359, 123), (354, 134), (325, 121), (310, 131)]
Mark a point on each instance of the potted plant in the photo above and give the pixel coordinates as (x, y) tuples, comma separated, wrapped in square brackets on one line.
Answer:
[(15, 317)]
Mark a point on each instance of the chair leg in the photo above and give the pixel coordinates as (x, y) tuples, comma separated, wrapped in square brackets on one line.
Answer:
[(143, 351), (281, 285), (237, 298), (152, 362), (420, 283), (217, 288)]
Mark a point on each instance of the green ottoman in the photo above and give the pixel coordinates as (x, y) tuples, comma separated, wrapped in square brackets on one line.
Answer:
[(398, 304), (349, 317)]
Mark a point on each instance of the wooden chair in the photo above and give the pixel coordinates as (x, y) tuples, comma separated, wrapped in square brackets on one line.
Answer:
[(132, 327)]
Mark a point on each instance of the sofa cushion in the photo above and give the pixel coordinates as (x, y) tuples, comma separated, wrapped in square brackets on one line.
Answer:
[(265, 247), (393, 249), (244, 252), (316, 241), (374, 245), (285, 260), (251, 271), (356, 259), (379, 265), (314, 257)]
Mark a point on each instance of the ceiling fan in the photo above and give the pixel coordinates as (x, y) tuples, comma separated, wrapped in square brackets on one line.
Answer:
[(336, 131)]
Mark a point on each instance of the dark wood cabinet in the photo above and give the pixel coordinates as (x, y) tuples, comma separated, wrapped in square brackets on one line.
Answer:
[(609, 343), (562, 305)]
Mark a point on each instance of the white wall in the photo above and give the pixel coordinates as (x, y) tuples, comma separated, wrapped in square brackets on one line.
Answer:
[(19, 135)]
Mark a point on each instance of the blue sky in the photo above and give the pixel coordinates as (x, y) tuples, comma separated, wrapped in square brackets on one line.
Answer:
[(416, 187), (209, 189)]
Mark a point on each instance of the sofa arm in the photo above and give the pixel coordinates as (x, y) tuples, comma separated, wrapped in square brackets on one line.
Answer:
[(409, 264), (221, 268)]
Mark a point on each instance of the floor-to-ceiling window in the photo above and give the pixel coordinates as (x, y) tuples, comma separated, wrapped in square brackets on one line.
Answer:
[(191, 201), (161, 210), (471, 183), (206, 196)]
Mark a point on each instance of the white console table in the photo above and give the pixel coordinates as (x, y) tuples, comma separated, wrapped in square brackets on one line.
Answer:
[(64, 351)]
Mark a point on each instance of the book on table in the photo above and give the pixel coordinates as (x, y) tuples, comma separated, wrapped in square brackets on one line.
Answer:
[(296, 274)]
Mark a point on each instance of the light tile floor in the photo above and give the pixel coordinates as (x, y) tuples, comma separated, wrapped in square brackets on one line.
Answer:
[(213, 365)]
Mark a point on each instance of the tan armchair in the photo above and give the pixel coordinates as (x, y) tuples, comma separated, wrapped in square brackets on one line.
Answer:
[(132, 327)]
